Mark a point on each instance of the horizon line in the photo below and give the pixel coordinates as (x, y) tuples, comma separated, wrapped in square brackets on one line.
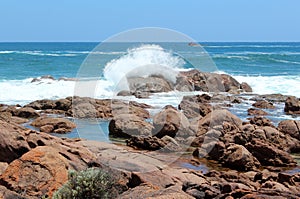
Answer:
[(139, 41)]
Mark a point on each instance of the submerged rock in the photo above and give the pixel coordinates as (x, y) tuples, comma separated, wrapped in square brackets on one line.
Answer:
[(252, 111)]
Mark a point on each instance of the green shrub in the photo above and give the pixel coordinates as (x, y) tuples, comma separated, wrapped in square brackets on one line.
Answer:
[(88, 184)]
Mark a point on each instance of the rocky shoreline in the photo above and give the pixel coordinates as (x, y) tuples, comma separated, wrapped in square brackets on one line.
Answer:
[(253, 157)]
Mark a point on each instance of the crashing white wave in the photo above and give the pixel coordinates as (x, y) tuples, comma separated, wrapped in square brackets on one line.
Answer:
[(144, 61), (286, 85)]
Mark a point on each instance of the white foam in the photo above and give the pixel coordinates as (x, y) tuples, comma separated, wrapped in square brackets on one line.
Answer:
[(286, 85), (145, 55), (23, 91)]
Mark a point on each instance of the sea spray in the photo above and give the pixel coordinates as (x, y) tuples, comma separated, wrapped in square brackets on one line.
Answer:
[(133, 64)]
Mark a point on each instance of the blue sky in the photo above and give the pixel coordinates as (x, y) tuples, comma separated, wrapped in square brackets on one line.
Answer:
[(203, 20)]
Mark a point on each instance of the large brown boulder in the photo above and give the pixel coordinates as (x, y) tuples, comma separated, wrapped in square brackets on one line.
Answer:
[(292, 105), (291, 127), (53, 125), (37, 173), (239, 158), (127, 125), (170, 122), (217, 118), (195, 80)]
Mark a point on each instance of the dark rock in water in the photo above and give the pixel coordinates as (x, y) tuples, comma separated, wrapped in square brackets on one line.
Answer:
[(124, 93), (170, 122), (252, 111), (269, 155), (239, 158), (261, 121), (53, 125), (192, 108), (67, 79), (39, 79), (292, 105), (291, 127), (128, 125), (263, 104), (245, 87)]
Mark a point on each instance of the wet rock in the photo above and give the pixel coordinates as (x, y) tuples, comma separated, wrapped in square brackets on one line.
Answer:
[(170, 122), (53, 125), (127, 125), (37, 173), (252, 111), (263, 104), (239, 158), (290, 127), (292, 105)]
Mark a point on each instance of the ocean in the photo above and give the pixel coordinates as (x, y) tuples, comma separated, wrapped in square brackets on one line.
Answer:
[(268, 67)]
